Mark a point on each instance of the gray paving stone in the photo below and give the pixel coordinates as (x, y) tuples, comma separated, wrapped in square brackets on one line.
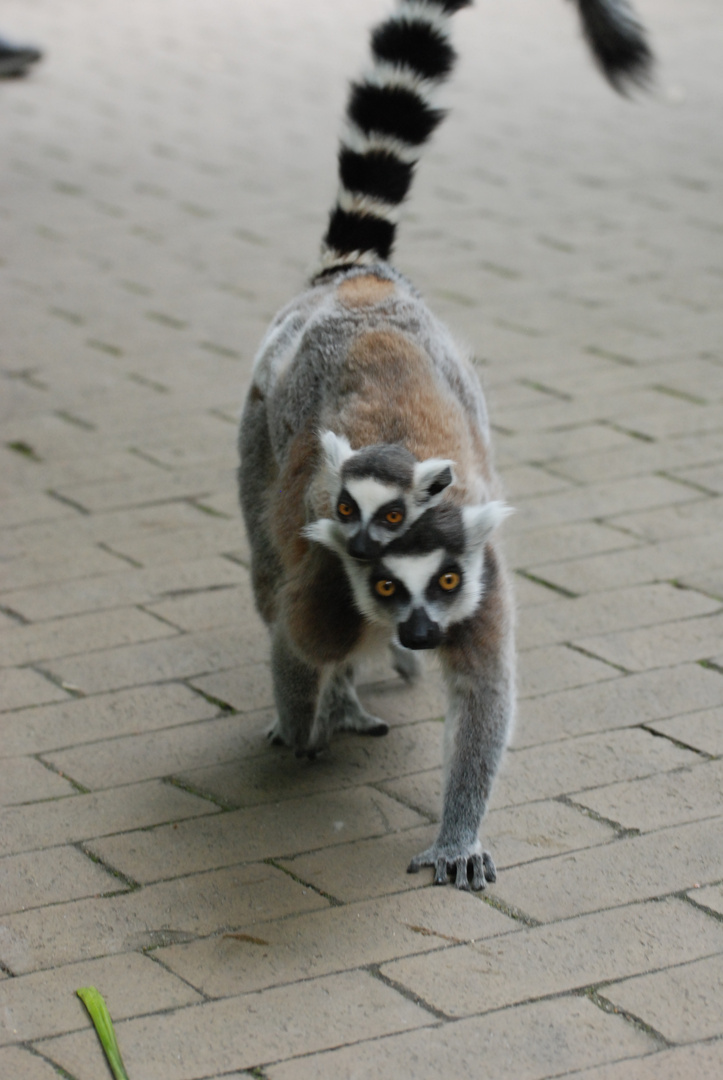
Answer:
[(689, 794), (22, 687), (700, 1060), (15, 1061), (702, 730), (132, 758), (666, 561), (280, 1022), (334, 940), (557, 667), (124, 586), (37, 878), (83, 720), (571, 765), (659, 646), (551, 1035), (46, 1004), (712, 897), (80, 635), (25, 780), (63, 821), (682, 1003), (627, 870), (276, 774), (633, 699), (194, 906), (608, 613), (181, 657), (553, 959), (274, 830), (364, 869), (48, 567)]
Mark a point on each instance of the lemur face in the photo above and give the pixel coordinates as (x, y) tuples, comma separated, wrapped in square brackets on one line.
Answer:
[(426, 580), (380, 491)]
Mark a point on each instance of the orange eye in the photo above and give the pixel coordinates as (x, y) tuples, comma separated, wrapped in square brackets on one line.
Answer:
[(449, 581), (394, 517), (385, 588), (344, 509)]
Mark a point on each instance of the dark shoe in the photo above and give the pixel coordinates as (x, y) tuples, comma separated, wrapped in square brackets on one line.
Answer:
[(16, 59)]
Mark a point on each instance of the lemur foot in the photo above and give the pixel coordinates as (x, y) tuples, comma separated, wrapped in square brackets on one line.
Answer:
[(467, 865), (274, 734), (277, 737), (362, 722)]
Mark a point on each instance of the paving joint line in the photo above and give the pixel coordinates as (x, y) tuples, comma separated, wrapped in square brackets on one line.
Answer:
[(131, 885), (183, 785), (676, 742), (81, 789), (224, 706), (512, 912), (684, 895), (119, 555), (537, 580), (274, 861), (594, 656), (375, 971), (150, 953), (58, 1069), (621, 832), (68, 502), (15, 615), (607, 1006)]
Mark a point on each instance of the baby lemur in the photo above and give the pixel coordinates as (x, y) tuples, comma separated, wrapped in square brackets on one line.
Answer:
[(366, 478)]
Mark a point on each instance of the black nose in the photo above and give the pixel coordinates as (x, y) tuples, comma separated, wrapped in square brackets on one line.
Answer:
[(361, 546), (419, 632)]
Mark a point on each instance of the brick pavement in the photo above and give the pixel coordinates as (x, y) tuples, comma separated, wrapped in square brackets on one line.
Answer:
[(167, 172)]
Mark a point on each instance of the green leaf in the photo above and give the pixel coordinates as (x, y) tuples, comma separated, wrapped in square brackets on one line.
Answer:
[(103, 1024)]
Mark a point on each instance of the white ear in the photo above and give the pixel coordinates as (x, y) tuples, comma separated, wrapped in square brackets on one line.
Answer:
[(325, 531), (481, 521), (431, 478), (336, 450)]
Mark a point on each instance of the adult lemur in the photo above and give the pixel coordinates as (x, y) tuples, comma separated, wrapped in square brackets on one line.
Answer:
[(366, 477)]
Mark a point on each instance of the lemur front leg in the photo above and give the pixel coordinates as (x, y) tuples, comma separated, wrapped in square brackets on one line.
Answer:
[(478, 663)]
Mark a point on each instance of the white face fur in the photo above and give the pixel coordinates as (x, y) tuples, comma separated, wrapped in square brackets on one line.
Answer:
[(373, 511), (419, 595)]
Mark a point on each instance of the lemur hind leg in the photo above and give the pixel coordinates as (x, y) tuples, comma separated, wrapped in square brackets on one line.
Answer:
[(341, 710), (296, 691), (478, 664)]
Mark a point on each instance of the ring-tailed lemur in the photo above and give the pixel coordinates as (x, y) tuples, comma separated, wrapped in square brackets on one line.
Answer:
[(366, 476)]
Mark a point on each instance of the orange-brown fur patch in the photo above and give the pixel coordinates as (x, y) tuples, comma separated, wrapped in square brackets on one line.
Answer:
[(394, 395), (287, 505), (364, 291)]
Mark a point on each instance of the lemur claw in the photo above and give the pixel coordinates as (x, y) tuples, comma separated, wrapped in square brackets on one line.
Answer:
[(468, 869)]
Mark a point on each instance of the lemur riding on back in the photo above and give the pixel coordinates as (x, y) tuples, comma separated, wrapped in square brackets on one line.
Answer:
[(366, 478)]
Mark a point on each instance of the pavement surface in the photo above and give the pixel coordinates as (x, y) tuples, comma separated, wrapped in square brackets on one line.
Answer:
[(167, 171)]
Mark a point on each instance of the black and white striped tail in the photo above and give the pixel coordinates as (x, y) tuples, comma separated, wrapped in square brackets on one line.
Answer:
[(617, 41), (390, 116), (391, 113)]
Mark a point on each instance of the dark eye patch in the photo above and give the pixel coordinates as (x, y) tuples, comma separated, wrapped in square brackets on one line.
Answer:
[(400, 593), (435, 590), (394, 509), (345, 501)]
